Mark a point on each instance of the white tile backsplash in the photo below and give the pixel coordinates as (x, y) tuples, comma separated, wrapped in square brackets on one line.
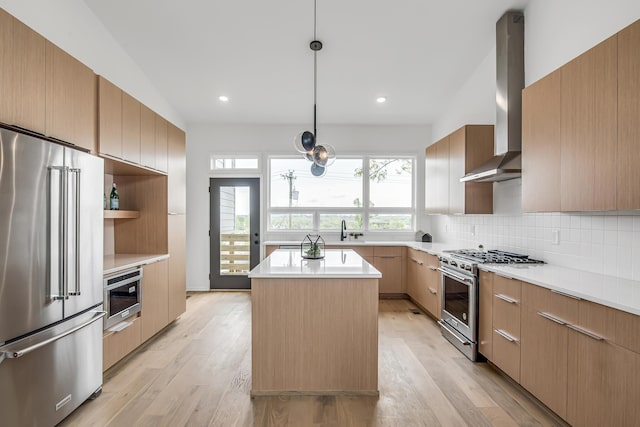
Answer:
[(607, 243)]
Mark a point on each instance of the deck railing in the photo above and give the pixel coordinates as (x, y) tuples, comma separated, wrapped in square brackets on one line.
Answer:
[(234, 254)]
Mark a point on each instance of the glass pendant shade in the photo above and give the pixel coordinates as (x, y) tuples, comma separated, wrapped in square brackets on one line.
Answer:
[(324, 155), (318, 171), (304, 142)]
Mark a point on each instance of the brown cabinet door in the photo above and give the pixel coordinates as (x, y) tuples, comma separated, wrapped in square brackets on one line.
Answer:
[(71, 99), (603, 383), (437, 177), (545, 340), (161, 143), (430, 279), (177, 170), (177, 272), (411, 274), (457, 149), (130, 128), (110, 118), (485, 315), (147, 137), (589, 129), (628, 177), (431, 179), (22, 75), (155, 298), (506, 325), (391, 269), (541, 145), (478, 196), (116, 345)]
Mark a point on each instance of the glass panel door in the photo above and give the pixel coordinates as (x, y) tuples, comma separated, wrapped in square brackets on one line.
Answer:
[(234, 230)]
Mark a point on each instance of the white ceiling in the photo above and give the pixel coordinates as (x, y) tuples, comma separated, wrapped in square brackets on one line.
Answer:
[(415, 52)]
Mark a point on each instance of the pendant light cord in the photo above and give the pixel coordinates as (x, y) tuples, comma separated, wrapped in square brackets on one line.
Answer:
[(315, 69)]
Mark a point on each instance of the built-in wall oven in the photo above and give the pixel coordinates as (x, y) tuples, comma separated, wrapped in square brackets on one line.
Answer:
[(122, 296), (460, 305)]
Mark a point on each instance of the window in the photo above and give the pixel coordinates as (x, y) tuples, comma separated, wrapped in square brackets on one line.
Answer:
[(383, 202), (217, 163)]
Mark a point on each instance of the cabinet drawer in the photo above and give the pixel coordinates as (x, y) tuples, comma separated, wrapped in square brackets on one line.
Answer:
[(431, 260), (394, 251), (506, 287), (506, 352), (119, 344), (546, 302)]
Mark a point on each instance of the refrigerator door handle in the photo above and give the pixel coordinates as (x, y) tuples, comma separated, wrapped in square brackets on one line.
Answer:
[(76, 224), (55, 226), (14, 354)]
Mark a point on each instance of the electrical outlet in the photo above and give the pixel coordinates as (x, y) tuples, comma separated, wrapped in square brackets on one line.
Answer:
[(555, 237)]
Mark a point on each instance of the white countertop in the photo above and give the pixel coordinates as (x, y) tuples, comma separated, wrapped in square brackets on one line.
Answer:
[(622, 294), (614, 292), (337, 264), (120, 262)]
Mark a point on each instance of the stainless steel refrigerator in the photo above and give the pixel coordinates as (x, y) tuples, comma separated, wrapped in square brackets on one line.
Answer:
[(51, 234)]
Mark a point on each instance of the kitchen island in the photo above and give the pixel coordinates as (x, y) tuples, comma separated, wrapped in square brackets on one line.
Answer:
[(314, 324)]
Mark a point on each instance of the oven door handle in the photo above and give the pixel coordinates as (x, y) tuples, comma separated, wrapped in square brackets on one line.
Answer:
[(455, 276), (443, 325)]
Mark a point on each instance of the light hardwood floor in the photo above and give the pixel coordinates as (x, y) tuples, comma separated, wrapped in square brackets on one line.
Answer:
[(198, 373)]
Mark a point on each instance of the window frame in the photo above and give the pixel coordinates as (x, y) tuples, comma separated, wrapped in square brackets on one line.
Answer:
[(365, 210), (218, 156)]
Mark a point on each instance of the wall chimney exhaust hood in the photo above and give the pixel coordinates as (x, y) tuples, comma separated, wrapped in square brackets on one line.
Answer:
[(506, 164)]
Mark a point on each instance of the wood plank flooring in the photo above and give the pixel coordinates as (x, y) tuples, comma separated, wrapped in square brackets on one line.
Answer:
[(198, 373)]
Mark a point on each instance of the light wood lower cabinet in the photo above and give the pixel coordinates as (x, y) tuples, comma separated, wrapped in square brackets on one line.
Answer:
[(177, 271), (423, 281), (545, 339), (506, 325), (389, 261), (155, 298), (485, 314), (117, 345)]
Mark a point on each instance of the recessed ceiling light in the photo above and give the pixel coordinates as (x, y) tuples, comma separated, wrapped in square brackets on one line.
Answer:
[(223, 98), (381, 99)]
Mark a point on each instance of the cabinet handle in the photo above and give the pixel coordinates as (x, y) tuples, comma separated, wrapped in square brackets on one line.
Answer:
[(432, 268), (565, 294), (386, 256), (504, 276), (433, 291), (552, 318), (420, 262), (506, 298), (414, 260), (585, 332), (505, 335)]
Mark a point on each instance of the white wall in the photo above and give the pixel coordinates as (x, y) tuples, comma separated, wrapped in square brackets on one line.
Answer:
[(609, 243), (72, 26), (204, 140)]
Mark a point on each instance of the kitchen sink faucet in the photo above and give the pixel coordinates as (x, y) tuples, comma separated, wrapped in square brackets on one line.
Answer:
[(343, 231)]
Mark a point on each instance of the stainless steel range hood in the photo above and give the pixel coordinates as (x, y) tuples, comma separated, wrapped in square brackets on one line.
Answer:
[(509, 84)]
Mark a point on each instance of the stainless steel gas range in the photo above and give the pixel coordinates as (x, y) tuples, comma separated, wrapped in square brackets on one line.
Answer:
[(459, 270)]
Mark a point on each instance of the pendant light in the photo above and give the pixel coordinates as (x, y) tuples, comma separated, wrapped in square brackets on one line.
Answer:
[(306, 142)]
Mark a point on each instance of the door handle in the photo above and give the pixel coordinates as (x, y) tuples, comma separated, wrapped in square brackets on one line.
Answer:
[(76, 267)]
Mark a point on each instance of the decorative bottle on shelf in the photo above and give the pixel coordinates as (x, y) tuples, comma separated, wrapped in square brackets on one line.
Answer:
[(114, 199), (104, 201)]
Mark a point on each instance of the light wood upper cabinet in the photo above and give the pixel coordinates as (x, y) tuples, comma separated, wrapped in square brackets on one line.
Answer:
[(177, 170), (450, 159), (22, 75), (437, 177), (147, 137), (541, 130), (71, 99), (130, 128), (628, 176), (110, 118), (161, 144), (589, 129), (469, 147)]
